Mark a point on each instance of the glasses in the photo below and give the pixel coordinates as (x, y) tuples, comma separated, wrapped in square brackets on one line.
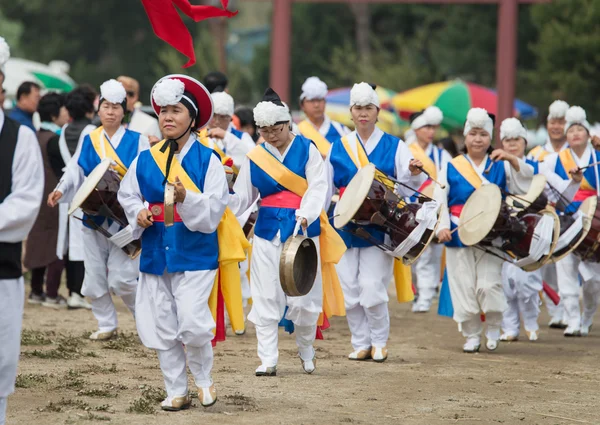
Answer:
[(131, 94), (274, 132)]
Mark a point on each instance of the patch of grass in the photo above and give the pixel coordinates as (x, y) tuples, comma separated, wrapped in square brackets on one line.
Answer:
[(142, 406), (32, 337), (99, 369), (68, 348), (65, 403), (30, 380), (96, 392), (72, 380), (125, 341), (92, 417), (153, 394)]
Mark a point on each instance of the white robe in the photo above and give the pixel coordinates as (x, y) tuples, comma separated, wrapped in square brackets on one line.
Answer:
[(268, 298), (172, 309), (474, 275), (522, 290), (18, 213)]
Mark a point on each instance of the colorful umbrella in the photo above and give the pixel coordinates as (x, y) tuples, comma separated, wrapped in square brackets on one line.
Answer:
[(52, 77), (454, 98), (388, 121), (341, 96)]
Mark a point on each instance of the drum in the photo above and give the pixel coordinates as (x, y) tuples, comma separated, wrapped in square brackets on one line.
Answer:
[(370, 202), (587, 249), (524, 238), (97, 197), (574, 228), (298, 266), (534, 200)]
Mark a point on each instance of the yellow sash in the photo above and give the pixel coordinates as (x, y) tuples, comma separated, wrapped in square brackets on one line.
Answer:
[(98, 140), (205, 140), (332, 246), (465, 168), (568, 163), (310, 132), (402, 273), (539, 153), (232, 245), (420, 155)]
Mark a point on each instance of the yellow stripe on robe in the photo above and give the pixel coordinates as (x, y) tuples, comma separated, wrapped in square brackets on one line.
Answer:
[(420, 155), (568, 163), (98, 142), (310, 132), (232, 246)]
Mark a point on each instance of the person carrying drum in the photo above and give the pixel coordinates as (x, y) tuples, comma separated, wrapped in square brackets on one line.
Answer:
[(287, 172), (474, 275), (556, 142), (426, 270), (568, 164), (21, 192), (317, 126), (107, 267), (365, 271)]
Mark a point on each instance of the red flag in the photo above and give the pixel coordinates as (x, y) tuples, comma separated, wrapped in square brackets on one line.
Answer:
[(169, 27)]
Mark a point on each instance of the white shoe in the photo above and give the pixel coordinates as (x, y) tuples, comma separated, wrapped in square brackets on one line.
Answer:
[(379, 354), (572, 331), (509, 337), (102, 336), (207, 396), (360, 355), (472, 345), (491, 344), (177, 403), (263, 370), (585, 329), (309, 366), (419, 308), (533, 335), (77, 301)]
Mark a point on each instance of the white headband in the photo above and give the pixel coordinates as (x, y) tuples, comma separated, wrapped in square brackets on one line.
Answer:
[(113, 92), (268, 113), (223, 103), (313, 88), (430, 116), (512, 128), (479, 118), (558, 109), (576, 116), (363, 95)]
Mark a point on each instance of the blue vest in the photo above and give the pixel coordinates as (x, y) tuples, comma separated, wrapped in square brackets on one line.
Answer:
[(89, 159), (272, 220), (589, 174), (461, 190), (535, 164), (332, 134), (344, 169), (175, 248)]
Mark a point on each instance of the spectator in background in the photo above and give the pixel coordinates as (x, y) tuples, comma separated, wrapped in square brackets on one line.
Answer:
[(2, 90), (28, 98), (40, 255), (216, 81), (80, 104), (244, 121), (136, 119)]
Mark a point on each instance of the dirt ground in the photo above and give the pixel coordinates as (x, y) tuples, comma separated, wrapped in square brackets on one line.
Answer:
[(66, 379)]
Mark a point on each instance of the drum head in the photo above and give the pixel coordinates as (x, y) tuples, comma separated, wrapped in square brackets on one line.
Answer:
[(479, 214), (89, 184), (298, 266), (354, 195), (520, 202)]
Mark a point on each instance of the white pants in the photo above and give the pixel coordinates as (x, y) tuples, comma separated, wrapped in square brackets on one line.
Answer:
[(365, 274), (107, 269), (475, 284), (12, 300), (568, 270), (426, 270), (522, 295), (269, 303), (245, 282), (549, 276), (172, 310)]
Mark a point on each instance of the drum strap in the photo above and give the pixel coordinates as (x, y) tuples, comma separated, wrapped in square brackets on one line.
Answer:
[(309, 131), (465, 168), (363, 158), (105, 150), (420, 155), (232, 245), (332, 246)]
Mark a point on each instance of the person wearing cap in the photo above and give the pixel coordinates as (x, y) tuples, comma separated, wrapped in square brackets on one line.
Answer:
[(136, 119), (179, 282), (107, 267), (426, 270), (288, 174), (555, 125), (21, 191), (567, 164), (474, 276), (365, 271), (317, 126)]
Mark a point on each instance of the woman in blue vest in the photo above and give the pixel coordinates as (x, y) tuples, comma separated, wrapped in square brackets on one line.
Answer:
[(579, 154), (474, 276), (280, 217), (365, 271), (178, 263), (107, 267)]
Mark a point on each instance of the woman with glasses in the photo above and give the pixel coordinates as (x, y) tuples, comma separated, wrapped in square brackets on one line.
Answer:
[(365, 271), (280, 217)]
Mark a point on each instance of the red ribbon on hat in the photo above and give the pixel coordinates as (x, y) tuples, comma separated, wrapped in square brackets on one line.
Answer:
[(169, 27)]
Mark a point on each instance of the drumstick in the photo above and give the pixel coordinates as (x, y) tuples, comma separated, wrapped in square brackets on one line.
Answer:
[(469, 220), (489, 168), (443, 186), (588, 166)]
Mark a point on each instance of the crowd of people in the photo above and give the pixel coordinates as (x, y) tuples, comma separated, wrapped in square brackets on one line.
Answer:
[(227, 168)]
